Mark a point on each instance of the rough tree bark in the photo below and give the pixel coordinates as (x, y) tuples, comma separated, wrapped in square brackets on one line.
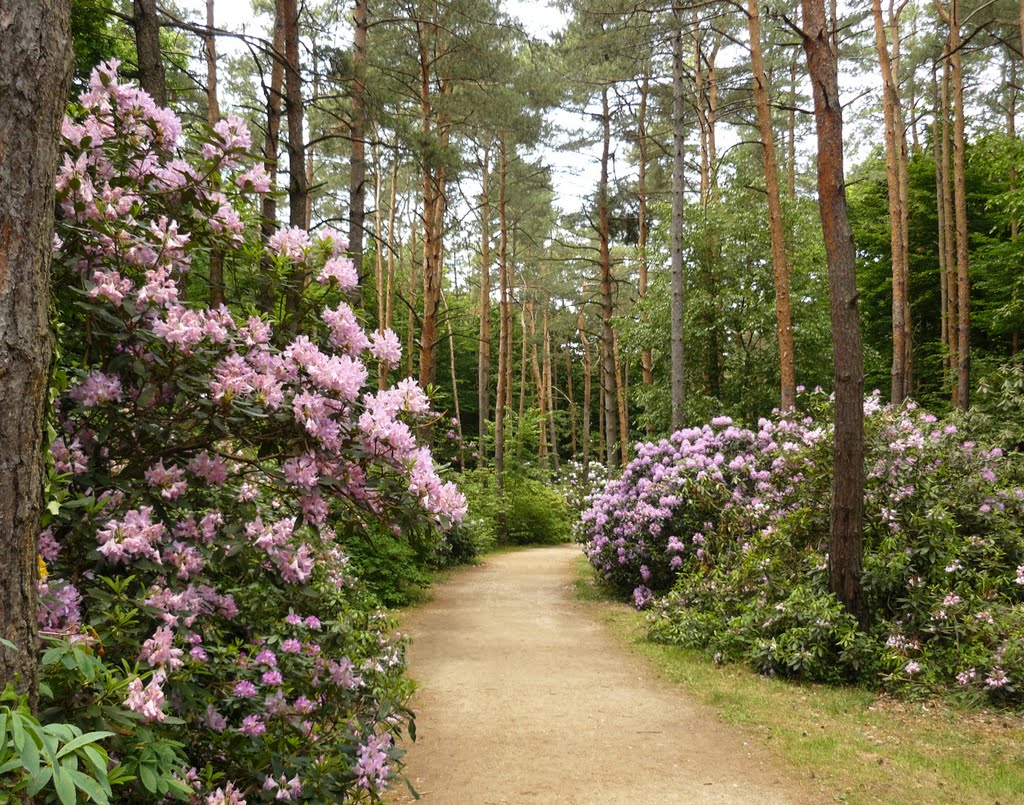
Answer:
[(35, 70), (146, 24), (951, 17), (357, 131), (776, 225), (845, 554), (298, 189), (503, 316), (897, 214), (643, 225), (212, 118), (608, 384), (587, 392), (484, 352), (677, 285), (268, 202)]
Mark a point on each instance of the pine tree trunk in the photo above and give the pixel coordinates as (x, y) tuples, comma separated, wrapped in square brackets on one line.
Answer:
[(455, 383), (952, 316), (550, 371), (394, 245), (298, 189), (410, 332), (621, 404), (647, 359), (268, 202), (677, 281), (847, 507), (212, 118), (503, 316), (357, 131), (539, 385), (587, 392), (776, 225), (608, 384), (35, 70), (572, 401), (484, 352), (146, 23), (963, 291), (890, 108), (940, 215)]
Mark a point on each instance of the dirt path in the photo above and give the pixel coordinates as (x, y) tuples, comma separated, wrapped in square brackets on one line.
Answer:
[(525, 698)]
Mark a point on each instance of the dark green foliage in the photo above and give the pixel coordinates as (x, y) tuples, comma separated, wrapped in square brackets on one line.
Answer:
[(530, 512)]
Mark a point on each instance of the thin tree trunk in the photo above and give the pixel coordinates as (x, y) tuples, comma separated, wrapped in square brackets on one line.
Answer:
[(677, 284), (948, 219), (378, 254), (890, 108), (791, 154), (394, 244), (410, 333), (647, 359), (522, 362), (484, 352), (963, 353), (572, 402), (608, 384), (587, 392), (146, 23), (776, 226), (621, 391), (357, 131), (35, 70), (539, 385), (298, 190), (845, 554), (212, 118), (503, 316), (903, 162), (940, 208), (455, 383), (271, 145), (549, 383)]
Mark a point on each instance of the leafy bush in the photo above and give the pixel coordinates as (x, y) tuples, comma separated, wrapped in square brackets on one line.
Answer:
[(736, 523), (529, 512), (50, 762), (197, 597)]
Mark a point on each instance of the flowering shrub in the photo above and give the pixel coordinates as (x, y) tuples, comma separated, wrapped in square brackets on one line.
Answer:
[(196, 592), (736, 523)]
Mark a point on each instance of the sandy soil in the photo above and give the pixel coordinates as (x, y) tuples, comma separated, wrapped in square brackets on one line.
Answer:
[(525, 698)]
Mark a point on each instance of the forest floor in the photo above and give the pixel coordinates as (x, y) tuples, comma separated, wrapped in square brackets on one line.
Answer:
[(524, 696)]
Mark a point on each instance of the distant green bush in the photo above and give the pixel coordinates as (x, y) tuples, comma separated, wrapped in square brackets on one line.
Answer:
[(530, 511)]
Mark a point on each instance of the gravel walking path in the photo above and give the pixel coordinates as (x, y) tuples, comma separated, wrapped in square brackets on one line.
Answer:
[(524, 697)]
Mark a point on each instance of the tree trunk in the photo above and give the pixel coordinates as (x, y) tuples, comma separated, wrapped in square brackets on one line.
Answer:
[(35, 70), (940, 205), (791, 153), (608, 384), (455, 383), (891, 109), (847, 509), (647, 359), (394, 244), (947, 216), (522, 363), (587, 392), (298, 189), (621, 402), (212, 118), (678, 167), (357, 131), (146, 23), (268, 202), (573, 443), (484, 352), (410, 333), (539, 384), (503, 316), (776, 225), (963, 290), (550, 371)]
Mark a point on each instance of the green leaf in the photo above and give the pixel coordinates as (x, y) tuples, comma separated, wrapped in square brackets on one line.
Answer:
[(148, 778), (64, 785), (82, 740), (25, 746), (37, 782), (89, 787)]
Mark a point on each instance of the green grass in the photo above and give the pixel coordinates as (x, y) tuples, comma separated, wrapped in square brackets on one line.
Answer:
[(844, 744)]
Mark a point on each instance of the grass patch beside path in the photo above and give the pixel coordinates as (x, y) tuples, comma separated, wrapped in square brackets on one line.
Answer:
[(856, 746)]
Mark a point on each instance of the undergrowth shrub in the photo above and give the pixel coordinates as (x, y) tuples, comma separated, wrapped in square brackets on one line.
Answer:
[(733, 525), (219, 476), (531, 511)]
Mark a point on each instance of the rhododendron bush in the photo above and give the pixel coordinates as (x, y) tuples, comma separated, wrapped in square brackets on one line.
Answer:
[(732, 524), (197, 595)]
